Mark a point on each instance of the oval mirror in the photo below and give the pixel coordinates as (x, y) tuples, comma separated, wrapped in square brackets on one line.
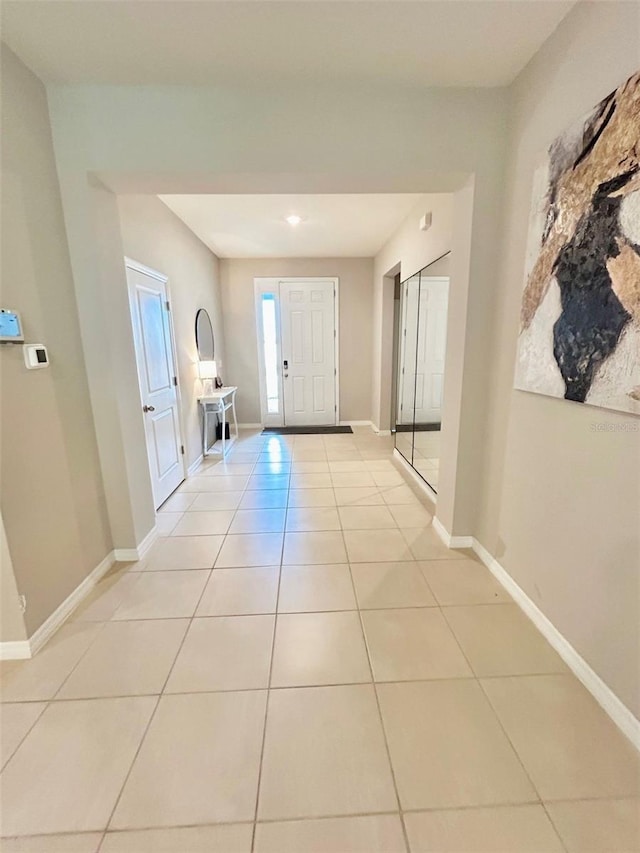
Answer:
[(204, 336)]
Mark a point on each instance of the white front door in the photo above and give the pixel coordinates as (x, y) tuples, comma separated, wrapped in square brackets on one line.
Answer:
[(157, 377), (308, 329), (424, 337)]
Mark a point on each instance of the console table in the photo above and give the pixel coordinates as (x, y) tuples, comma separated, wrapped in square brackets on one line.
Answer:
[(218, 403)]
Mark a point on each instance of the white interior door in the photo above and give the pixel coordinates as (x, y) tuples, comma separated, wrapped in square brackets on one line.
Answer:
[(308, 330), (157, 376), (431, 346), (422, 356)]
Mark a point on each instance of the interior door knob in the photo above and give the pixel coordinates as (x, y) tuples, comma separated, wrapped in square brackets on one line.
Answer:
[(148, 408)]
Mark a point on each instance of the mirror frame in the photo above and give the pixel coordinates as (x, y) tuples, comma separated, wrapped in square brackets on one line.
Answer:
[(202, 312)]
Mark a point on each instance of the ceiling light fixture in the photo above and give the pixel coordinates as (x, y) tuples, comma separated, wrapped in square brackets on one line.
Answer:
[(294, 219)]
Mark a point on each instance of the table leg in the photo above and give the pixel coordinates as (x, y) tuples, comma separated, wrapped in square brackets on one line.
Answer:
[(224, 429)]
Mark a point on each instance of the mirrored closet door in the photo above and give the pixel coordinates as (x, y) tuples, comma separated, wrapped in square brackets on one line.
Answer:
[(422, 341)]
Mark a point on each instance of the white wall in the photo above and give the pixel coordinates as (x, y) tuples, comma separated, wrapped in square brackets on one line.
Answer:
[(560, 505), (356, 309), (154, 236)]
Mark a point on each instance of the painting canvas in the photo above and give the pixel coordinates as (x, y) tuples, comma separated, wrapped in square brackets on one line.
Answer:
[(580, 315)]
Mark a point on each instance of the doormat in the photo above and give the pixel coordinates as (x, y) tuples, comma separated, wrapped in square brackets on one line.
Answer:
[(306, 430), (418, 427)]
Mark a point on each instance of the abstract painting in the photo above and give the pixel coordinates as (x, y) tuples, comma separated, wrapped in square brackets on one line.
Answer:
[(580, 315)]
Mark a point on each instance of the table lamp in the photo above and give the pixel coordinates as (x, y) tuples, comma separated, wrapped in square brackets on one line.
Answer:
[(208, 371)]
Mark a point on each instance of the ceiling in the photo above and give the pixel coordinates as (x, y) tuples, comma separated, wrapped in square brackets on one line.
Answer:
[(333, 226), (420, 43)]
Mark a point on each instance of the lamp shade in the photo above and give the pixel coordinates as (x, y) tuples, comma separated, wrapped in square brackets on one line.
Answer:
[(207, 369)]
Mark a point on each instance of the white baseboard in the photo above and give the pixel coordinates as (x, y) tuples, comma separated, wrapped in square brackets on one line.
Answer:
[(628, 724), (355, 423), (250, 426), (191, 470), (61, 613), (132, 555), (422, 484), (449, 540), (15, 650)]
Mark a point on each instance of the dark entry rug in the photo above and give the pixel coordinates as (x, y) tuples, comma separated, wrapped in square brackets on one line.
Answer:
[(306, 430)]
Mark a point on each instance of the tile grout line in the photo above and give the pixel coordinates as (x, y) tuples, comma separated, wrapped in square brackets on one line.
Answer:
[(380, 718), (266, 707)]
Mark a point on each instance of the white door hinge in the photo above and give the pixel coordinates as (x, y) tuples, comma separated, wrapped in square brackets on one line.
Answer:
[(182, 449), (167, 305)]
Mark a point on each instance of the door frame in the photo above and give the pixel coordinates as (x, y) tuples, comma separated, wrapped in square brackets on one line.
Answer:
[(271, 284), (129, 263)]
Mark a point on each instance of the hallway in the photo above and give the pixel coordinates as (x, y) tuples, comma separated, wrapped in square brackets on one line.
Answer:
[(339, 682)]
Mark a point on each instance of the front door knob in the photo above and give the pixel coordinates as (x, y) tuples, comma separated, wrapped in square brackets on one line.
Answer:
[(148, 408)]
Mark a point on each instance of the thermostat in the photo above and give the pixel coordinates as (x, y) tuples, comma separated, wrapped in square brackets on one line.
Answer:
[(10, 327), (35, 356)]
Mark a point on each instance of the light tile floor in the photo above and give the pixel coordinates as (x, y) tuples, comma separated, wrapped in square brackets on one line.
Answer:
[(299, 665)]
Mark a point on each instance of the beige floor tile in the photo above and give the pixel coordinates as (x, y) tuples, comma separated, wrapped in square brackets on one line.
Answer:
[(352, 480), (183, 552), (425, 544), (240, 592), (278, 455), (301, 519), (127, 659), (40, 677), (324, 754), (166, 522), (380, 585), (399, 495), (261, 482), (103, 601), (320, 467), (359, 496), (311, 497), (213, 484), (498, 639), (198, 764), (224, 653), (311, 481), (216, 501), (264, 499), (319, 648), (225, 838), (66, 775), (250, 549), (310, 548), (241, 457), (462, 581), (258, 521), (447, 747), (379, 465), (315, 588), (411, 644), (178, 502), (335, 454), (598, 826), (203, 523), (411, 515), (376, 546), (273, 467), (366, 518), (388, 478), (163, 595), (365, 834), (347, 466), (224, 469), (305, 455), (16, 719), (570, 747), (84, 842), (501, 829)]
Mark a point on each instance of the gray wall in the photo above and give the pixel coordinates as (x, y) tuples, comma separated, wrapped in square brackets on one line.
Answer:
[(561, 502), (356, 308), (53, 502), (153, 235)]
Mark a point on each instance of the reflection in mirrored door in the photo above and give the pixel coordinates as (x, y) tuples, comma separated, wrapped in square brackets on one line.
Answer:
[(421, 364)]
